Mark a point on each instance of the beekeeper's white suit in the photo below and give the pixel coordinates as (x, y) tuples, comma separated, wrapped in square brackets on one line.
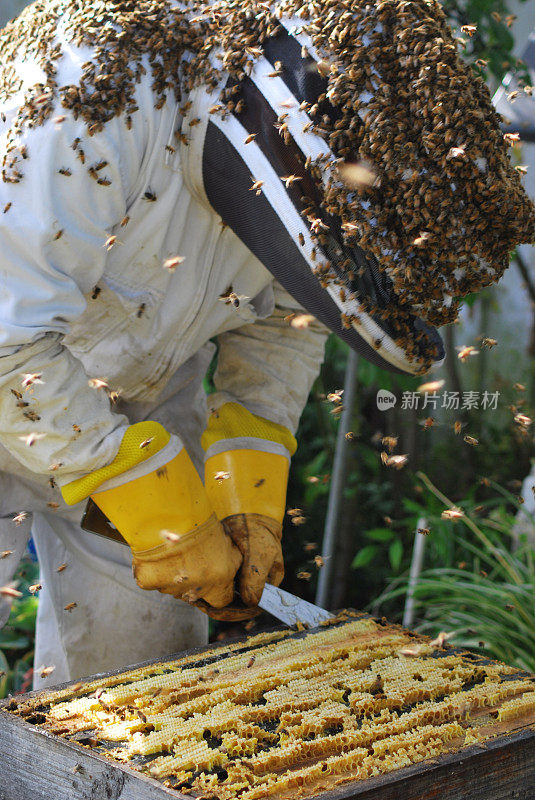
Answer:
[(74, 307)]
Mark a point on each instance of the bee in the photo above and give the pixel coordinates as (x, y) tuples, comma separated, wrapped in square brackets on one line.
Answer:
[(110, 241), (141, 310), (170, 536), (395, 461), (229, 297), (221, 476), (76, 428), (441, 639), (54, 467), (319, 561), (35, 587), (469, 29), (250, 138), (465, 352), (97, 383), (52, 483), (58, 235), (424, 531), (301, 321), (470, 440), (74, 145), (301, 239), (257, 186), (170, 149), (289, 180), (454, 513), (96, 291), (251, 661), (128, 122), (100, 165), (104, 182), (259, 483), (150, 196), (457, 426), (390, 442), (32, 438), (65, 171), (172, 263), (146, 443), (194, 122), (125, 221), (7, 207), (70, 606), (5, 553)]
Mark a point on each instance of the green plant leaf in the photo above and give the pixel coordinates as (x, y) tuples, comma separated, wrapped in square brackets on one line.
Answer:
[(380, 534), (364, 556), (395, 554)]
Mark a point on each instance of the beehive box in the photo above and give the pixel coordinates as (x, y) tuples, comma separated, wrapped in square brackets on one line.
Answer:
[(355, 708)]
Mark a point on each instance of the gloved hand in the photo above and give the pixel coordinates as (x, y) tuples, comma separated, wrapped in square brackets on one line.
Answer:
[(246, 474), (153, 495)]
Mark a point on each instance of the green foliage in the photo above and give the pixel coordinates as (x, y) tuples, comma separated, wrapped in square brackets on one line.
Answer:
[(483, 592), (17, 636)]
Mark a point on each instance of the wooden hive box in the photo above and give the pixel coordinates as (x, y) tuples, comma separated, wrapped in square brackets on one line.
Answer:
[(356, 708)]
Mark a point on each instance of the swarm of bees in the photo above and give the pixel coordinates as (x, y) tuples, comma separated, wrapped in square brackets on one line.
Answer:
[(445, 206)]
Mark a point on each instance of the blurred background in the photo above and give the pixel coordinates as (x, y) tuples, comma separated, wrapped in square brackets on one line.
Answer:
[(441, 536)]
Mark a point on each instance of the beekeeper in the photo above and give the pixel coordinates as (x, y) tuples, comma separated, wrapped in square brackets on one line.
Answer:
[(150, 218)]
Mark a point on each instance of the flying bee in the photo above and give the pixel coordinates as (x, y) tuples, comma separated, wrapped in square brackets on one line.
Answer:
[(470, 440), (289, 180), (229, 297), (97, 383), (256, 187), (110, 241)]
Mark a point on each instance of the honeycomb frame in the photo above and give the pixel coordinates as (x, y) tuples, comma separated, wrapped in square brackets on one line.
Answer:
[(287, 714)]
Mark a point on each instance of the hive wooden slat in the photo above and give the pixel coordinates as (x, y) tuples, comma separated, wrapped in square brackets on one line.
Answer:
[(37, 763)]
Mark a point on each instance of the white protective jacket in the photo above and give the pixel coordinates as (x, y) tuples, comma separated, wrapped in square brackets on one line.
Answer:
[(77, 305)]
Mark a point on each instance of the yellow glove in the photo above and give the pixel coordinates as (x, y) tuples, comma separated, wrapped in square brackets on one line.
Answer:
[(246, 474), (179, 546)]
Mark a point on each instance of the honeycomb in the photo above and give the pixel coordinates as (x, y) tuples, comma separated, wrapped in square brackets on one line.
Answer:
[(286, 713)]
